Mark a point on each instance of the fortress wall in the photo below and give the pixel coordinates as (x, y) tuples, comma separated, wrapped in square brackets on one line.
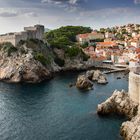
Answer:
[(29, 28), (134, 87), (39, 32), (20, 36), (8, 38), (35, 32), (31, 34)]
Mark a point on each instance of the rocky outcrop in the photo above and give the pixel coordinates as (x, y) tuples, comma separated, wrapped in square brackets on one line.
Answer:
[(86, 81), (32, 61), (20, 67), (89, 74), (119, 103), (99, 77), (96, 75), (83, 82), (130, 130), (102, 79), (90, 77)]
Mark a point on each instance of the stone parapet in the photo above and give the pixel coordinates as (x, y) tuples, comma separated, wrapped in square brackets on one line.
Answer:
[(134, 87)]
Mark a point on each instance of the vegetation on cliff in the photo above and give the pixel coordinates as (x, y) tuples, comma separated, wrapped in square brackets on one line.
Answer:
[(8, 48), (64, 39), (65, 36)]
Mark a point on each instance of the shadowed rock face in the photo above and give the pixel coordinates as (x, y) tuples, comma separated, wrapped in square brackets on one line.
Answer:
[(83, 82), (86, 81), (20, 67), (120, 103), (32, 61), (130, 130)]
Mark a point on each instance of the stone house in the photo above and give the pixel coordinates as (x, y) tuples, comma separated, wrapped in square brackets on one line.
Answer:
[(89, 37)]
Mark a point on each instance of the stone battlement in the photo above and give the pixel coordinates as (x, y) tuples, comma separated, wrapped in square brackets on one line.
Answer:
[(134, 87), (31, 32)]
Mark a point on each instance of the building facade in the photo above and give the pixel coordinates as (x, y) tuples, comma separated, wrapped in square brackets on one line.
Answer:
[(32, 32), (89, 37)]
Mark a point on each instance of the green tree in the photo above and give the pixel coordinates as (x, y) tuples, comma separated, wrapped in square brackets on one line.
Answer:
[(65, 36)]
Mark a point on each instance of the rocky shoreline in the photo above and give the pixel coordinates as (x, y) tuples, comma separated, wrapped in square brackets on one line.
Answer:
[(121, 104), (86, 80)]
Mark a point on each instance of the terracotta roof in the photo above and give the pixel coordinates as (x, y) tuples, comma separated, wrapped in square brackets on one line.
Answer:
[(87, 34), (83, 35), (106, 43), (137, 50)]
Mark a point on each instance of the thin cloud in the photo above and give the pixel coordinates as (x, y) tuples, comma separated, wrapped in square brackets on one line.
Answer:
[(137, 1), (72, 2), (8, 12)]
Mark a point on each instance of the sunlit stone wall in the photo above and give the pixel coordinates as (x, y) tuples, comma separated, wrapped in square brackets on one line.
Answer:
[(134, 87)]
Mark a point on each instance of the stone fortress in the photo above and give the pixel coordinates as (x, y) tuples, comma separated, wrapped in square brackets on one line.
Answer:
[(134, 84), (31, 32)]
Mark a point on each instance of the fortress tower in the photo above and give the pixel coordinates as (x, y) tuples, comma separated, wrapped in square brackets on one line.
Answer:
[(134, 82), (31, 32)]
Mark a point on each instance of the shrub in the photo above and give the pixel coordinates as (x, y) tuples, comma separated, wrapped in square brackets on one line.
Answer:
[(41, 58), (73, 51), (9, 48), (59, 61), (65, 36), (21, 42), (85, 57), (85, 45)]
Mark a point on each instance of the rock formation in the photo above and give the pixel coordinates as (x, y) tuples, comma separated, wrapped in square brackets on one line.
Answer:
[(99, 77), (96, 75), (22, 67), (130, 130), (32, 61), (86, 80), (102, 79), (120, 103), (83, 82)]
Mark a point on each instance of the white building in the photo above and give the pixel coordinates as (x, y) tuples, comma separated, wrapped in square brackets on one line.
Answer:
[(88, 37), (109, 35)]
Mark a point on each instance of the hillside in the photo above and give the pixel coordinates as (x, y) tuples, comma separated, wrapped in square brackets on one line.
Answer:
[(33, 60)]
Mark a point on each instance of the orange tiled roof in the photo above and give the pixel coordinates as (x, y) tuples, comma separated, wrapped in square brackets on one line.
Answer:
[(87, 34), (137, 50), (111, 43)]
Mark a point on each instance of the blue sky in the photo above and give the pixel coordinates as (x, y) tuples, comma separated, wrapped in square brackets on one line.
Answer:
[(15, 14)]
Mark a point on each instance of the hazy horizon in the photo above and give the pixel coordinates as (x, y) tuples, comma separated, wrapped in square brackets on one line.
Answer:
[(16, 14)]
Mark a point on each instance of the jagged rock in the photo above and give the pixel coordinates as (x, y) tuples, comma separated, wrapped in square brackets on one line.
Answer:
[(83, 82), (119, 103), (89, 74), (102, 79), (96, 75), (21, 66), (130, 130), (99, 77)]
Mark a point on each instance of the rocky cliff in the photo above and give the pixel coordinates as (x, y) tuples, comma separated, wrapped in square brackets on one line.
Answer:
[(32, 61), (130, 130), (19, 65), (120, 103)]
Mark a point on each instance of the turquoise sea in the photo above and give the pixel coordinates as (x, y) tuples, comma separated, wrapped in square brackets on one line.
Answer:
[(53, 111)]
